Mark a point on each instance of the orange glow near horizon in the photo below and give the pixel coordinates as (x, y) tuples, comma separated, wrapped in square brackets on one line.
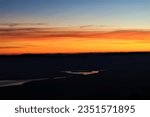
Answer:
[(35, 41)]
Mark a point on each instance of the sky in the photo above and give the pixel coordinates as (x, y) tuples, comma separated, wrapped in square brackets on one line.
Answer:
[(74, 26)]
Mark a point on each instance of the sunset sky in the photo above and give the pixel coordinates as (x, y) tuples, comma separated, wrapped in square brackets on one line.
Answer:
[(74, 26)]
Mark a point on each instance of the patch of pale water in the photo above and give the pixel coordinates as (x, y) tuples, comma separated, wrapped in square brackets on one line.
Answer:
[(83, 72), (6, 83)]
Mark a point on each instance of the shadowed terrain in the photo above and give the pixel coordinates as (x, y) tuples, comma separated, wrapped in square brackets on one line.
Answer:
[(75, 76)]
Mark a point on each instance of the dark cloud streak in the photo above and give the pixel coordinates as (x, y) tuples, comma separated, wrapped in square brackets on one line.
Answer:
[(19, 33), (12, 25), (10, 47), (94, 26), (18, 46)]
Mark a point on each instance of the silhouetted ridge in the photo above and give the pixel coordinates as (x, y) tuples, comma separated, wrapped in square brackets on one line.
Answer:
[(76, 54)]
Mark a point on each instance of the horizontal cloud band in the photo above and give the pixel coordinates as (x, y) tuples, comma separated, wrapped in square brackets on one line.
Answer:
[(52, 32)]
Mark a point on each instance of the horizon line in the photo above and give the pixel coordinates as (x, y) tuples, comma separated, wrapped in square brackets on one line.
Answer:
[(134, 52)]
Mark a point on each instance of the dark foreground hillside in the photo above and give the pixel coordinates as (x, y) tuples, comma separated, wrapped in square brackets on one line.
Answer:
[(120, 76)]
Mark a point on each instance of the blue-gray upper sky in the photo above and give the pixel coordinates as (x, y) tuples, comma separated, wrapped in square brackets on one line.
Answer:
[(110, 13)]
